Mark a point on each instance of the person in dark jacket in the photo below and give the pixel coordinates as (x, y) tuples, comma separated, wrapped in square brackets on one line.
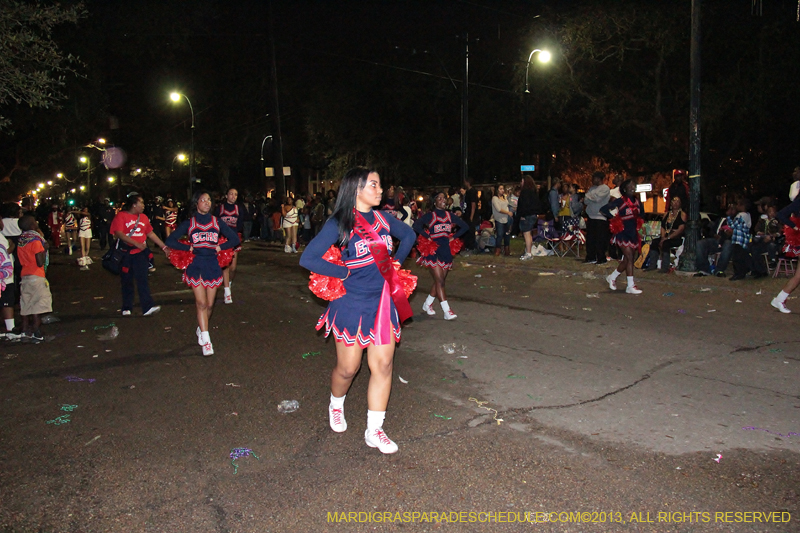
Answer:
[(529, 207)]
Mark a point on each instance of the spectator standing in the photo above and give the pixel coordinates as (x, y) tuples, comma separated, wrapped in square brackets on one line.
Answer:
[(8, 297), (502, 218), (597, 235), (103, 217), (528, 209), (471, 215), (247, 216), (679, 188), (554, 201), (35, 298), (55, 220)]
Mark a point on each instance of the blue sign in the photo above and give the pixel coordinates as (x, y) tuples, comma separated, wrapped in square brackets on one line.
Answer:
[(527, 168)]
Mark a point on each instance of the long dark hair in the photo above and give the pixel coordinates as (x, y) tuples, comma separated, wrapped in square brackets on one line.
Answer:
[(353, 181), (196, 198)]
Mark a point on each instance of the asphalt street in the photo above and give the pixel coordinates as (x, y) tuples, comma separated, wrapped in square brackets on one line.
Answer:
[(550, 404)]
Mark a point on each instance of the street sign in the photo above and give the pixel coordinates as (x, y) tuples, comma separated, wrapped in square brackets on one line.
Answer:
[(527, 168)]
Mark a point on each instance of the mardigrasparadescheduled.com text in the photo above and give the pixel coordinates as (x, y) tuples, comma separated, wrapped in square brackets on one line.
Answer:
[(541, 517)]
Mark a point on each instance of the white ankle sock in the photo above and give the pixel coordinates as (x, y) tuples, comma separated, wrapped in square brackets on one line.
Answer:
[(614, 275), (227, 291), (630, 281), (445, 306), (781, 297), (429, 300), (375, 419), (205, 338), (337, 403), (10, 323)]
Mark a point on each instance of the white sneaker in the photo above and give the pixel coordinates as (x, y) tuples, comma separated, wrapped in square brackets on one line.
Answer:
[(526, 256), (208, 349), (780, 306), (199, 338), (126, 313), (612, 283), (227, 298), (377, 439), (294, 248), (287, 249), (450, 315), (428, 309), (336, 418), (153, 310), (633, 289)]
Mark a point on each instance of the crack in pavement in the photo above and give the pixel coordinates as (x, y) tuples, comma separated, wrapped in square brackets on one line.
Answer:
[(796, 397)]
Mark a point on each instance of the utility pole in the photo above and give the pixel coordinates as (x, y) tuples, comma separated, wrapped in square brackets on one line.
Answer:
[(689, 255), (277, 144), (465, 115)]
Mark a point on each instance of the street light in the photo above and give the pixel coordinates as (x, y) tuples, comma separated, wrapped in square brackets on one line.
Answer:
[(179, 157), (176, 96), (88, 161), (544, 57)]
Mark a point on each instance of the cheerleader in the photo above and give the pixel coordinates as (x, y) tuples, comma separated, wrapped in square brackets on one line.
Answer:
[(231, 214), (203, 274), (85, 235), (70, 229), (437, 225), (626, 236), (170, 217), (369, 315)]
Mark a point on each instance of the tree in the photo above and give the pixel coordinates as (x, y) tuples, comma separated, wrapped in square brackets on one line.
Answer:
[(32, 67)]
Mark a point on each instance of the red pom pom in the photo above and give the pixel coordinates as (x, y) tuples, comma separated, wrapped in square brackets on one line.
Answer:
[(792, 246), (326, 287), (181, 259), (426, 246), (455, 246), (615, 225), (407, 279)]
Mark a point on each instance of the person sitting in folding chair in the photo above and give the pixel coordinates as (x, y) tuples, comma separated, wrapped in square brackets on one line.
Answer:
[(672, 227)]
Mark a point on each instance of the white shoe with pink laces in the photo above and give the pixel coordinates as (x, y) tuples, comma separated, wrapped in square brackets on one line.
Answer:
[(336, 417), (377, 439)]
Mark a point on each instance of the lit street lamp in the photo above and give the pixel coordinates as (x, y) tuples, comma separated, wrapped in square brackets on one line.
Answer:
[(88, 161), (544, 57), (175, 97)]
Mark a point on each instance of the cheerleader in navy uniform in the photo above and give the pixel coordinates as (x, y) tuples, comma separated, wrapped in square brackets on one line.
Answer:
[(203, 275), (231, 214), (625, 228), (369, 315), (438, 225)]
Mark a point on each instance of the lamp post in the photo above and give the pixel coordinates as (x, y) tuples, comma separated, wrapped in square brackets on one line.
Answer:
[(544, 57), (88, 160), (176, 96)]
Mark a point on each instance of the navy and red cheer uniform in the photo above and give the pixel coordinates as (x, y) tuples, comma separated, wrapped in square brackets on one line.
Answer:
[(231, 214), (203, 232), (630, 211), (353, 317), (438, 225)]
